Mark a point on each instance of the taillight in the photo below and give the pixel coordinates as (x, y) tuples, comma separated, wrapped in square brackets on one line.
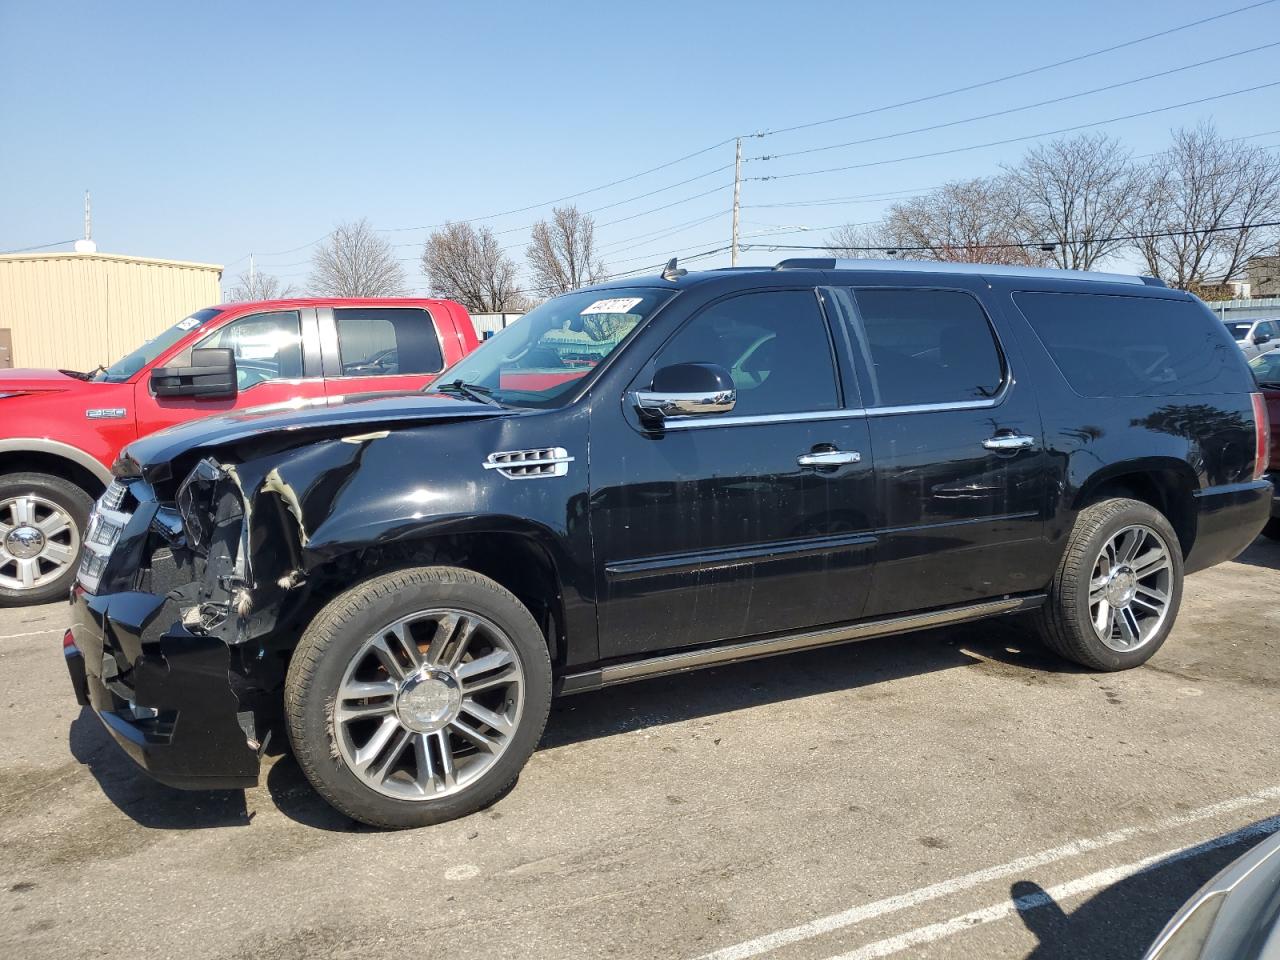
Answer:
[(1262, 434)]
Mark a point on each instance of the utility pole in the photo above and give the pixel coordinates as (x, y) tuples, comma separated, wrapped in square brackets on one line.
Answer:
[(737, 194), (252, 285)]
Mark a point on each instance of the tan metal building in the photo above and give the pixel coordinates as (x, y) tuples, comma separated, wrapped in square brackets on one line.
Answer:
[(77, 310)]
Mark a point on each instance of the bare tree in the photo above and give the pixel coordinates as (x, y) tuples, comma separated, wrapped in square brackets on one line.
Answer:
[(562, 252), (859, 241), (971, 221), (258, 286), (353, 261), (1199, 186), (1077, 193), (467, 265)]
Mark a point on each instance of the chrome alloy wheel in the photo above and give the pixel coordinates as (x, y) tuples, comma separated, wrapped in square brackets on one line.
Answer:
[(1130, 587), (428, 704), (38, 542)]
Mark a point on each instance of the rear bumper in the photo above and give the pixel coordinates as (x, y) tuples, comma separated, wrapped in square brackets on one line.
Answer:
[(1229, 518), (163, 694)]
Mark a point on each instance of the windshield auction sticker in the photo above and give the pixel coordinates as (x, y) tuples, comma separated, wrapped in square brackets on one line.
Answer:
[(616, 305)]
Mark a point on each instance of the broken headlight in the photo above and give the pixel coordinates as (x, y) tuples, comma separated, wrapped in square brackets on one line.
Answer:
[(197, 503)]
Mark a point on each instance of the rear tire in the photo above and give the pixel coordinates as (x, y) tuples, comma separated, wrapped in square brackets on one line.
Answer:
[(42, 522), (1272, 529), (1116, 593), (417, 697)]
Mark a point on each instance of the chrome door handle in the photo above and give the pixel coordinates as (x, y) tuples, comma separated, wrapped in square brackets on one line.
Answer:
[(1010, 441), (828, 458)]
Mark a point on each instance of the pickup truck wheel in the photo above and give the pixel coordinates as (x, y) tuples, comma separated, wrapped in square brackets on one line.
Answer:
[(1272, 530), (41, 519), (1116, 593), (417, 696)]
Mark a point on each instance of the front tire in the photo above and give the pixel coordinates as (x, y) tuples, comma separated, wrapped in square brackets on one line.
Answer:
[(1272, 530), (1116, 593), (42, 521), (417, 696)]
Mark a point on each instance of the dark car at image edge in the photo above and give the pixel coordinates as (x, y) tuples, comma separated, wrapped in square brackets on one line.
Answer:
[(654, 475)]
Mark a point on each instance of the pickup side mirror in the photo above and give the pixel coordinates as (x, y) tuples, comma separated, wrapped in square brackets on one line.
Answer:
[(211, 376), (686, 390), (1261, 338)]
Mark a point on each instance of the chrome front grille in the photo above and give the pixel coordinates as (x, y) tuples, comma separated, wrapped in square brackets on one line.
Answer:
[(114, 497), (530, 464), (106, 523)]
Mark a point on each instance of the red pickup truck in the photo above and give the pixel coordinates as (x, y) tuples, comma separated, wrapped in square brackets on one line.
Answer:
[(61, 430)]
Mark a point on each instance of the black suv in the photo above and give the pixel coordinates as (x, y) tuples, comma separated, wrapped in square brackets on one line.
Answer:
[(650, 476)]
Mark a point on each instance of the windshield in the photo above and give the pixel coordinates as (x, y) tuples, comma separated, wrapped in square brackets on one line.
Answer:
[(127, 366), (1266, 368), (1239, 330), (539, 360)]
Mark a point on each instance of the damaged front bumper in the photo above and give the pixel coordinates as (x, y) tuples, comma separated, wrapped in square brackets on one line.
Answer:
[(173, 694), (163, 693)]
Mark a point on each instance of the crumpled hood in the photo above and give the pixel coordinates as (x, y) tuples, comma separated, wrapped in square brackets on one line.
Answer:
[(332, 416), (24, 381)]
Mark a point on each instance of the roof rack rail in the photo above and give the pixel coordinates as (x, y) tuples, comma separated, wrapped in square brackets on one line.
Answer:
[(968, 269)]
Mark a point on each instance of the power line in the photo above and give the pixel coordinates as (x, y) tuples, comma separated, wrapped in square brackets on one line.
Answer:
[(43, 246), (1014, 76), (1020, 139), (1198, 231), (1011, 110)]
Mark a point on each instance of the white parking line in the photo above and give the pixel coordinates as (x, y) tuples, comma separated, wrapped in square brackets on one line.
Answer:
[(1072, 888), (33, 633), (855, 915)]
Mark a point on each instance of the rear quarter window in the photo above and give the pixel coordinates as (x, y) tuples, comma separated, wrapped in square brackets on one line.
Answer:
[(1122, 346)]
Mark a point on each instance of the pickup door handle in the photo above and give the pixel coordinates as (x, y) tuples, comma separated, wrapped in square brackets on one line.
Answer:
[(828, 458), (1009, 442)]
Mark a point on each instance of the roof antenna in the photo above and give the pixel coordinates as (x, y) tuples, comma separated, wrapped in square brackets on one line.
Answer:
[(671, 271)]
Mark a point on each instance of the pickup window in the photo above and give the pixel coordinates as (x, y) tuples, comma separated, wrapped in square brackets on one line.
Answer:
[(267, 346), (127, 366), (384, 341)]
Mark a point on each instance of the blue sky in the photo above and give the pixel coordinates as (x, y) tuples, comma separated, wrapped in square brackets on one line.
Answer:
[(206, 134)]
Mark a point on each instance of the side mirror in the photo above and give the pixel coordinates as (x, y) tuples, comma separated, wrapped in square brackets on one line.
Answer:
[(1261, 338), (211, 376), (687, 390)]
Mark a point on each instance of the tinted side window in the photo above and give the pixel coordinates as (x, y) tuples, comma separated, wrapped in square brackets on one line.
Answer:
[(1118, 346), (268, 346), (926, 346), (775, 344), (382, 341)]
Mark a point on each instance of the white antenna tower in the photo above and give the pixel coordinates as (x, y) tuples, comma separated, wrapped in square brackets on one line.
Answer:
[(86, 245)]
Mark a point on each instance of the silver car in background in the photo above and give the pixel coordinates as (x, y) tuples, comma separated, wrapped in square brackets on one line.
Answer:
[(1255, 335)]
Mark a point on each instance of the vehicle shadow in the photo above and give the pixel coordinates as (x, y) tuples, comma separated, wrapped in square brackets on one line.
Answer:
[(1263, 552), (1121, 922), (147, 803), (793, 677)]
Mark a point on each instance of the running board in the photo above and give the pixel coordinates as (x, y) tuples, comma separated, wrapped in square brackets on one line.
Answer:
[(685, 660)]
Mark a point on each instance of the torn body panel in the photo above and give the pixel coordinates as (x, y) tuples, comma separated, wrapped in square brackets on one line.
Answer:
[(183, 645)]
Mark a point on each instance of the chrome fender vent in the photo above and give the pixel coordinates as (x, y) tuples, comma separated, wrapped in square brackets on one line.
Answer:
[(530, 464)]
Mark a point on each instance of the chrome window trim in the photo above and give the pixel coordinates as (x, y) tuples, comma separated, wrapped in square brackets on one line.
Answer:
[(711, 420)]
